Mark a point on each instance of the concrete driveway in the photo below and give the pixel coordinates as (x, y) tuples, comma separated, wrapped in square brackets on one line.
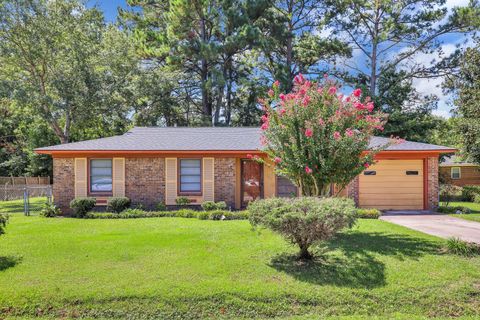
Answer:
[(438, 225)]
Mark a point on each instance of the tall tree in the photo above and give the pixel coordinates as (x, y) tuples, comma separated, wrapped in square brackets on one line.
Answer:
[(466, 86), (54, 53), (293, 41), (202, 40), (387, 38)]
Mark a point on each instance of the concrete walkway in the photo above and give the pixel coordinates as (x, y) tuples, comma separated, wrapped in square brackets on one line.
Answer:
[(438, 225)]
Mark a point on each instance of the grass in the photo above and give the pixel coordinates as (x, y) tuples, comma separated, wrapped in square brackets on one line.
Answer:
[(475, 207), (188, 268)]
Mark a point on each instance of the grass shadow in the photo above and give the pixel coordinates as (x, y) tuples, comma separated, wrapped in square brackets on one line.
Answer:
[(9, 262), (352, 259), (361, 271), (388, 244)]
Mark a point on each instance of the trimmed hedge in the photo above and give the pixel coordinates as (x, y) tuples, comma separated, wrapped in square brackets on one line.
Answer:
[(211, 205), (183, 213), (118, 204), (368, 213), (463, 210), (81, 206)]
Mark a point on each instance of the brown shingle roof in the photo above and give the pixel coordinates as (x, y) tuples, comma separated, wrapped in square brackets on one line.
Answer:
[(199, 139)]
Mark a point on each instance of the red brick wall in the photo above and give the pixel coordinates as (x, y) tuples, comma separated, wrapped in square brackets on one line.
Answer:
[(225, 177), (63, 183), (432, 196), (145, 181)]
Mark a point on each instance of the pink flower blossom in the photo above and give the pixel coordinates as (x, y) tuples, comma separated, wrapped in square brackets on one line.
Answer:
[(321, 122), (264, 118), (299, 79), (309, 133), (282, 112), (282, 97), (249, 156), (277, 160), (332, 90), (337, 135), (349, 132), (366, 165), (308, 170), (263, 140), (276, 83), (306, 101), (357, 92), (302, 91), (369, 106), (347, 99), (264, 126), (271, 93), (359, 106)]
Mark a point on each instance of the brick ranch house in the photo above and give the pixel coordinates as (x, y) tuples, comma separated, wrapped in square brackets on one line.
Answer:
[(151, 165)]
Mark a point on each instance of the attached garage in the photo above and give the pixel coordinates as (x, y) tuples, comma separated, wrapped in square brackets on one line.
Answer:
[(393, 185)]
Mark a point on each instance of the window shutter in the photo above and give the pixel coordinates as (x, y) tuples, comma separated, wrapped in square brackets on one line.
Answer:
[(208, 179), (118, 177), (170, 181), (80, 177)]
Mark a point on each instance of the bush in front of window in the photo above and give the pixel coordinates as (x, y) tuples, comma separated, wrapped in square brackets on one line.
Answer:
[(50, 210), (118, 204), (161, 206), (81, 206), (211, 205), (182, 201)]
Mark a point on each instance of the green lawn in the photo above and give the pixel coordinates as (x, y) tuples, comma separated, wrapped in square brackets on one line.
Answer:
[(475, 207), (188, 268)]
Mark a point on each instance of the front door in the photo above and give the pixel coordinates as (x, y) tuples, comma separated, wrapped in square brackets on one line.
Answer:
[(252, 181)]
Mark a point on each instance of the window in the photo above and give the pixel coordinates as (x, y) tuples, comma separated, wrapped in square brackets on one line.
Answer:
[(101, 175), (455, 172), (369, 173), (190, 176), (412, 173)]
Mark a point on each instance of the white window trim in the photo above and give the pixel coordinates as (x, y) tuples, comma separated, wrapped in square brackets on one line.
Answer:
[(459, 173)]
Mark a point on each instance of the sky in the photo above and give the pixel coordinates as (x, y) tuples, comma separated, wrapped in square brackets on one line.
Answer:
[(424, 86)]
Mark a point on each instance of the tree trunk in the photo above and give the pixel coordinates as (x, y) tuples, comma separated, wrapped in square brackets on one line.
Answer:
[(206, 106), (304, 253)]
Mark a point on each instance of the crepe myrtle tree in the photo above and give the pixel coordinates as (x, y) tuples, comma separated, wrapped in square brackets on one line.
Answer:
[(317, 136)]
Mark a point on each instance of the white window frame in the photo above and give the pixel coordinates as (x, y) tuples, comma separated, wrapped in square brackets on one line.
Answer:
[(459, 173)]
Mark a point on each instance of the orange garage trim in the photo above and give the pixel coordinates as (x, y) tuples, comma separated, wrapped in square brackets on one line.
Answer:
[(393, 185)]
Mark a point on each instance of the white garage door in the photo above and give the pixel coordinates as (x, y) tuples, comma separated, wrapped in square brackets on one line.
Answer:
[(392, 185)]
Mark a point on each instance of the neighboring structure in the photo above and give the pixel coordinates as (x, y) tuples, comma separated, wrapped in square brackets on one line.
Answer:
[(458, 172), (151, 165)]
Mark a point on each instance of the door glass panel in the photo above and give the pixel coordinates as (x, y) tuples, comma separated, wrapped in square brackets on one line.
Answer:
[(251, 180)]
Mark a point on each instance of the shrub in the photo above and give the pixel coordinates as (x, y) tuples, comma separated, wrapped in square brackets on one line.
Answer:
[(184, 213), (203, 215), (368, 213), (139, 206), (118, 204), (161, 206), (469, 192), (3, 222), (217, 215), (304, 221), (210, 205), (462, 248), (50, 211), (81, 206), (457, 209), (449, 193), (476, 199), (182, 201)]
